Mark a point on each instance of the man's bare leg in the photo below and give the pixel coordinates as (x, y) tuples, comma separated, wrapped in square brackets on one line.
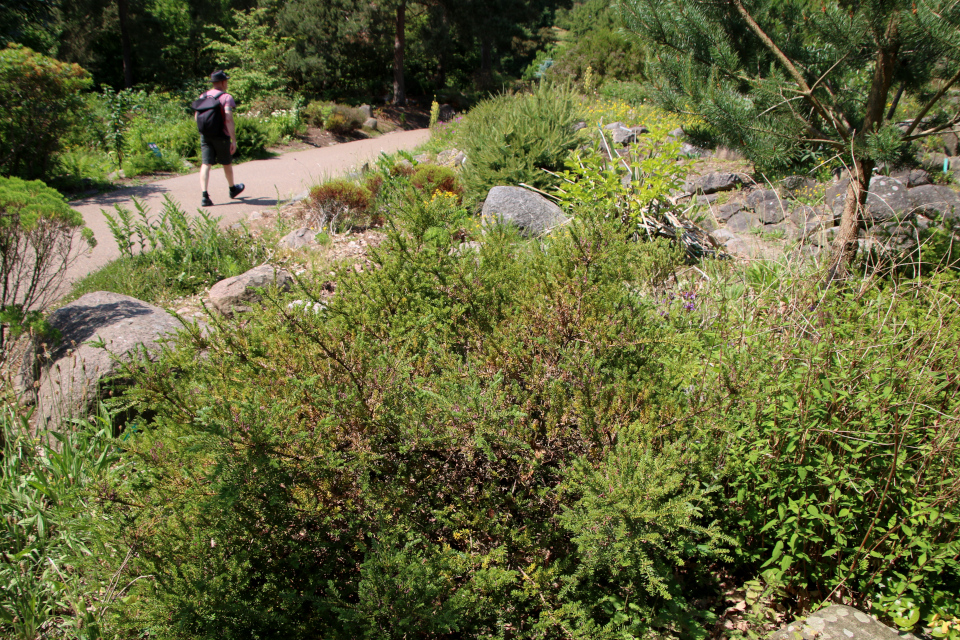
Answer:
[(204, 177), (228, 172)]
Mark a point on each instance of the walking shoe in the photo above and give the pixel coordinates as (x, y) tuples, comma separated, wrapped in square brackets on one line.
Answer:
[(206, 201), (236, 190)]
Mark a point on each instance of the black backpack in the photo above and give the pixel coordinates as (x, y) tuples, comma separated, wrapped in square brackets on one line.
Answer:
[(209, 115)]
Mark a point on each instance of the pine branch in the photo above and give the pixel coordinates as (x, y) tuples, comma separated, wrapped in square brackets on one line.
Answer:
[(933, 101), (839, 124)]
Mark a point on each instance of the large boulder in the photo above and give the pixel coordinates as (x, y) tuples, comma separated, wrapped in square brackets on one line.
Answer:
[(935, 201), (451, 158), (743, 221), (237, 294), (839, 622), (529, 211), (768, 206), (98, 332)]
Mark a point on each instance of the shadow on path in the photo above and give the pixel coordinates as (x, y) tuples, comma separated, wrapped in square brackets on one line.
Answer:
[(121, 196)]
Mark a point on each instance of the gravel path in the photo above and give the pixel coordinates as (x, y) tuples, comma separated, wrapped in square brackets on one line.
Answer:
[(267, 182)]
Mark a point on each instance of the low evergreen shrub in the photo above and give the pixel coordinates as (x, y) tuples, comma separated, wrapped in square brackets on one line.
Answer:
[(511, 139), (431, 178), (340, 205), (411, 468)]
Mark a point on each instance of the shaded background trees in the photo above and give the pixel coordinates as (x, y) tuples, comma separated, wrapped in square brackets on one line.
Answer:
[(342, 47)]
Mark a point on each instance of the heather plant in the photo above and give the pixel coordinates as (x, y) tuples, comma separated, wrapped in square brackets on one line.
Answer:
[(339, 205), (511, 140)]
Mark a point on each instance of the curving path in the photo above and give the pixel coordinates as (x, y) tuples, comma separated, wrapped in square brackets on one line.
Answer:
[(268, 182)]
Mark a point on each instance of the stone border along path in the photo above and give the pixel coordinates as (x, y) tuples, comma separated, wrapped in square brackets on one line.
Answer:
[(268, 183)]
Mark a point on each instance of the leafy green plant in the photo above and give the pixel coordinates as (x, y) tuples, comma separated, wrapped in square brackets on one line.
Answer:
[(511, 140), (252, 138), (843, 479), (39, 100), (316, 113), (170, 255), (52, 551)]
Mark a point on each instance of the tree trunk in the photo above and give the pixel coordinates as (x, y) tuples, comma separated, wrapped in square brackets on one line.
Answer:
[(845, 244), (486, 57), (125, 44), (399, 44)]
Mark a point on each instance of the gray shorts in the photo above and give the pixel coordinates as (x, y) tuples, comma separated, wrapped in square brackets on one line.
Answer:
[(215, 150)]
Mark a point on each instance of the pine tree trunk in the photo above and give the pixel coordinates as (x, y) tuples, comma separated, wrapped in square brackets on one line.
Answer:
[(399, 44), (845, 244), (125, 44)]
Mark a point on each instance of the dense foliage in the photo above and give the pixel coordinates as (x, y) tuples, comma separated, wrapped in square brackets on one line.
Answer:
[(510, 140), (39, 101)]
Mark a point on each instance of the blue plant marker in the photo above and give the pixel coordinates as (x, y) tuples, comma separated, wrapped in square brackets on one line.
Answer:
[(946, 165), (156, 150)]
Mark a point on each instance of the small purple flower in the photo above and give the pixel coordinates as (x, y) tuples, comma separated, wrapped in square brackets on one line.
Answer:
[(689, 306)]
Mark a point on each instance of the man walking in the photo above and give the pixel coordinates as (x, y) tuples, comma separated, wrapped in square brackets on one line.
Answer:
[(213, 112)]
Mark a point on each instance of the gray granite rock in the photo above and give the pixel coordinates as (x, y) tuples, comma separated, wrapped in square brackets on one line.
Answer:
[(912, 177), (886, 200), (365, 110), (713, 182), (237, 294), (743, 221), (727, 211), (839, 622), (451, 158), (529, 211), (622, 135), (299, 238), (935, 201), (98, 332)]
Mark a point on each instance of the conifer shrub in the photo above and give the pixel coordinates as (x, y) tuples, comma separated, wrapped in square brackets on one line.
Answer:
[(511, 139), (341, 205), (408, 461), (432, 178)]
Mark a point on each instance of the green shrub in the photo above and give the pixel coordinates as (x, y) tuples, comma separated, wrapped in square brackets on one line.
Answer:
[(843, 461), (316, 113), (39, 100), (37, 228), (406, 473), (432, 178), (510, 140), (343, 120), (342, 205), (252, 139)]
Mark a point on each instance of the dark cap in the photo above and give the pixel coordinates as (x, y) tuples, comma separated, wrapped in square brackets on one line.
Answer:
[(218, 76)]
